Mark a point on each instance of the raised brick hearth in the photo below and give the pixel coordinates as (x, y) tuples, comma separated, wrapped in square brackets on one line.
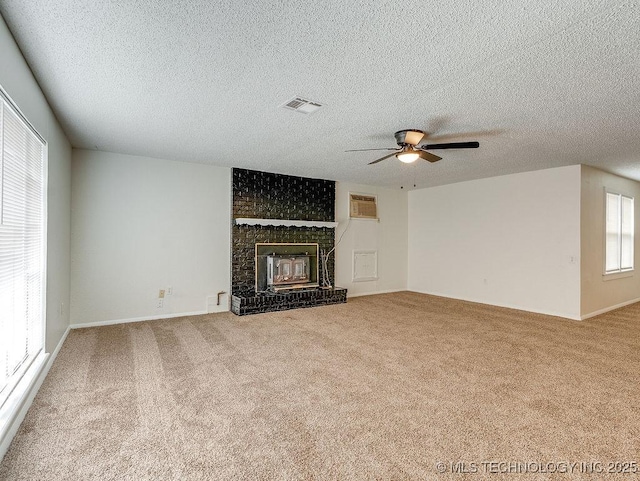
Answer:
[(281, 301)]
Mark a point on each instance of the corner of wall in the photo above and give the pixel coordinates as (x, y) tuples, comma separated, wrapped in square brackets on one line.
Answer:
[(388, 237), (140, 225), (466, 242), (599, 294), (18, 81)]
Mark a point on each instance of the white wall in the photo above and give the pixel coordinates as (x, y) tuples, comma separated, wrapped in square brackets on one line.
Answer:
[(388, 237), (17, 80), (601, 293), (140, 225), (511, 241)]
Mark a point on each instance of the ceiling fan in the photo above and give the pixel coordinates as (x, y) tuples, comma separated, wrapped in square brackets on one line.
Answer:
[(408, 150)]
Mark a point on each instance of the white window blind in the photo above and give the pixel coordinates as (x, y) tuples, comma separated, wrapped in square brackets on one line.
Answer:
[(620, 232), (22, 183)]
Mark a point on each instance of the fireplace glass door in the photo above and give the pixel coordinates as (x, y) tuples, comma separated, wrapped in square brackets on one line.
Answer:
[(287, 270), (286, 266)]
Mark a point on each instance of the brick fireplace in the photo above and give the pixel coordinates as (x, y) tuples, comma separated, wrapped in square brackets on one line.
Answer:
[(261, 202)]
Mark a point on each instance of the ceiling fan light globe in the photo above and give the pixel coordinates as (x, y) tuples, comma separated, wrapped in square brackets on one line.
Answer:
[(407, 157)]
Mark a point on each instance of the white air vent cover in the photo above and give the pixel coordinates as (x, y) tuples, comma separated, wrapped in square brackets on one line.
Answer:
[(301, 105), (365, 266), (363, 206)]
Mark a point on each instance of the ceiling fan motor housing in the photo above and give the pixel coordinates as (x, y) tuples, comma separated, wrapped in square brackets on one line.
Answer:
[(409, 137)]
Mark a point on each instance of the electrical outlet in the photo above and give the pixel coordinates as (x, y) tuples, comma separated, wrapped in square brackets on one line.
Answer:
[(169, 291), (61, 309), (161, 294), (160, 303)]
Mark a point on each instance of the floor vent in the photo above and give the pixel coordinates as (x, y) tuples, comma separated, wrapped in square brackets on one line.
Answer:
[(301, 105)]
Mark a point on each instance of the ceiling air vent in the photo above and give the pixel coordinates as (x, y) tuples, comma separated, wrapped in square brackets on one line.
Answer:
[(301, 105), (363, 206)]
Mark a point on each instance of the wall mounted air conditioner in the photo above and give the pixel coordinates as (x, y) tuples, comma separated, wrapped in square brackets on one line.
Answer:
[(362, 206)]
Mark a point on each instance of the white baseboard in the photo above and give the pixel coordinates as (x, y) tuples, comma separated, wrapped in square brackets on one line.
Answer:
[(564, 315), (360, 294), (610, 308), (136, 319), (24, 404)]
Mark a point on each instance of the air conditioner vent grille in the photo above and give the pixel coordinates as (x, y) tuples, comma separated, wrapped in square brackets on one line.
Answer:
[(295, 103), (302, 105), (363, 206)]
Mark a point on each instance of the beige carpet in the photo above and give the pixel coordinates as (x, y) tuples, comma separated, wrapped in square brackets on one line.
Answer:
[(383, 387)]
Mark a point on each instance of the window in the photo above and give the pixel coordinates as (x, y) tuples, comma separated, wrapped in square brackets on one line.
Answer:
[(619, 233), (22, 217)]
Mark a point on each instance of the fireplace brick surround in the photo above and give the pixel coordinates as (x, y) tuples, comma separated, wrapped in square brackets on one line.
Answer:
[(265, 195)]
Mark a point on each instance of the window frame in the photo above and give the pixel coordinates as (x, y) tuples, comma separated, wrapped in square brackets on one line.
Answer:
[(620, 272), (25, 376)]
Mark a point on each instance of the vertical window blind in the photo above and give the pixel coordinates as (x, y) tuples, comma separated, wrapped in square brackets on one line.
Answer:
[(22, 184), (620, 232)]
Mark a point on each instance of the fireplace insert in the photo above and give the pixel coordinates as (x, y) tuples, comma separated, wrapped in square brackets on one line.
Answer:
[(287, 270), (286, 266)]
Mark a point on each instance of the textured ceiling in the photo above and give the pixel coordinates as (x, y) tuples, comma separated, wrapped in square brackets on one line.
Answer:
[(539, 84)]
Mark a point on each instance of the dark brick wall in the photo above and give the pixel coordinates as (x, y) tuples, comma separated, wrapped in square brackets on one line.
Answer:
[(264, 195)]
